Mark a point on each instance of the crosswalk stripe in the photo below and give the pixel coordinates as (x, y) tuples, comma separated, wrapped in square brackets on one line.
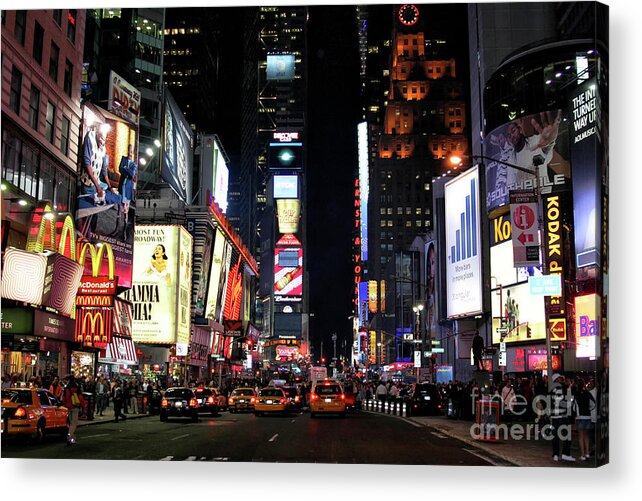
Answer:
[(191, 458), (167, 458)]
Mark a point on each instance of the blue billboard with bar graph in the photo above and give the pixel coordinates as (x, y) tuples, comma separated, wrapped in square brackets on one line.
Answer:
[(463, 245)]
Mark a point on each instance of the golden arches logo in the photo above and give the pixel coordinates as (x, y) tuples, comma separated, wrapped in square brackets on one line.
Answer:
[(38, 230), (92, 328), (97, 257), (44, 230)]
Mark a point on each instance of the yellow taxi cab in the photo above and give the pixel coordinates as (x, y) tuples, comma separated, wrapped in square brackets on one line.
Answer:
[(241, 398), (327, 396), (271, 400), (32, 412)]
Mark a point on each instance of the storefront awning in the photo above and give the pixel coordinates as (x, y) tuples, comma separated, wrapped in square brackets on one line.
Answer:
[(120, 351)]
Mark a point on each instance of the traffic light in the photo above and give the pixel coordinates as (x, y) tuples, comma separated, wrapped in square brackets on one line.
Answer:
[(323, 360)]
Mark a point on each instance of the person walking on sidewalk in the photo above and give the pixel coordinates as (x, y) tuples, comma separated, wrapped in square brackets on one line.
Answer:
[(583, 405), (102, 394), (56, 388), (72, 399), (381, 391), (117, 397), (560, 424)]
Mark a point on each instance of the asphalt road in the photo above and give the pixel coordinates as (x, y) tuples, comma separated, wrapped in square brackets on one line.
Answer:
[(360, 438)]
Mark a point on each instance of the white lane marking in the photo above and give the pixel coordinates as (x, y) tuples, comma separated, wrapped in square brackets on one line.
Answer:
[(167, 458), (437, 434), (409, 421), (293, 420), (98, 435), (190, 458), (273, 438), (222, 459), (481, 456), (203, 458), (180, 436)]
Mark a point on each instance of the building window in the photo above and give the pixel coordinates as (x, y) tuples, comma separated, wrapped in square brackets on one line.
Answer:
[(64, 136), (418, 210), (408, 224), (458, 112), (390, 211), (382, 210), (50, 122), (54, 57), (71, 25), (21, 26), (38, 40), (16, 90), (408, 211), (418, 223), (57, 16), (34, 107), (69, 71), (383, 223), (390, 223), (426, 186)]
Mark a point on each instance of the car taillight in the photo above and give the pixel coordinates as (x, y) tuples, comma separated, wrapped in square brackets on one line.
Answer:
[(343, 397), (296, 399), (314, 396), (210, 400), (230, 400), (164, 402), (20, 412), (283, 400), (252, 400), (193, 402)]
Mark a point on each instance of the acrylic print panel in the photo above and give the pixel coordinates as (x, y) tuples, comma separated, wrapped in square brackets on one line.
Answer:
[(406, 72)]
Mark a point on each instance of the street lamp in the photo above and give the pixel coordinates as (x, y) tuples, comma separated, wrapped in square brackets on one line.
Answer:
[(379, 345), (538, 160)]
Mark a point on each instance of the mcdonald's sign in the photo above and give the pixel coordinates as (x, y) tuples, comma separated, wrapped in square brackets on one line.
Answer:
[(94, 326), (97, 252)]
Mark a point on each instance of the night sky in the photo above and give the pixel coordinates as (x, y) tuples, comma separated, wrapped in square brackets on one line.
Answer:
[(333, 114), (332, 117)]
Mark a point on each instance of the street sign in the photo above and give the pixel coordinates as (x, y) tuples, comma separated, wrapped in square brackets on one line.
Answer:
[(438, 350), (435, 342), (417, 359), (502, 346), (502, 359), (524, 230), (547, 285)]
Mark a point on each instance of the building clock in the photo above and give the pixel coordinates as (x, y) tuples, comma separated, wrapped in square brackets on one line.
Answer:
[(408, 14)]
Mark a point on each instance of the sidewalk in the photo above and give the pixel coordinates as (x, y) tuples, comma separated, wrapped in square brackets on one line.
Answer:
[(108, 417), (529, 451)]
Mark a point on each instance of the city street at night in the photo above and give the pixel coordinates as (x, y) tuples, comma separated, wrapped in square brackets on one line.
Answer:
[(322, 251), (363, 438)]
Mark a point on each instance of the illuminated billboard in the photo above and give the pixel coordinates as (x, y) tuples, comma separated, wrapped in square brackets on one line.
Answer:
[(588, 320), (177, 150), (214, 172), (215, 274), (288, 212), (280, 66), (517, 143), (160, 294), (234, 291), (286, 186), (107, 186), (589, 159), (463, 245), (288, 271), (364, 185), (124, 98), (285, 156)]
